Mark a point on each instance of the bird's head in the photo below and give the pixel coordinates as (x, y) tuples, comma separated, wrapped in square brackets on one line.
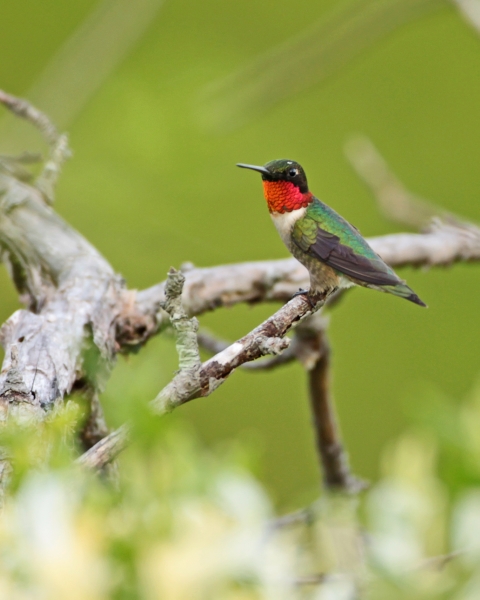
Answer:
[(284, 184)]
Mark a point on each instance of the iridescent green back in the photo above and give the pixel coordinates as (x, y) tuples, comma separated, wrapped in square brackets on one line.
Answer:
[(321, 215)]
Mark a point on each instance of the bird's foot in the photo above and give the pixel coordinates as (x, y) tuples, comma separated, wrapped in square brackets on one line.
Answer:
[(301, 292)]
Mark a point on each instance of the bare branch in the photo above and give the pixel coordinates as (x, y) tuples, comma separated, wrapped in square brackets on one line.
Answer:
[(79, 309), (313, 351), (200, 381), (74, 295), (437, 563), (59, 150), (443, 244), (446, 238), (210, 343), (308, 580), (334, 460), (214, 345), (23, 109), (395, 201), (106, 449), (208, 289), (47, 180), (277, 280), (72, 292), (267, 338), (303, 516), (15, 165)]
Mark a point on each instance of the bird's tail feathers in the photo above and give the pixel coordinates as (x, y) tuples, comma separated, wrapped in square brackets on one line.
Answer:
[(403, 291)]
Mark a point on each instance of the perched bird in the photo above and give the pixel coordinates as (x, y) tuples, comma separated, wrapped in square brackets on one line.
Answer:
[(332, 250)]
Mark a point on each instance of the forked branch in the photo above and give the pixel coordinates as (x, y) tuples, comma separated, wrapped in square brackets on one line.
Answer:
[(200, 380), (267, 338)]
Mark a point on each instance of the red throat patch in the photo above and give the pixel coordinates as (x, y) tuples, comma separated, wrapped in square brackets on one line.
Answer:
[(284, 196)]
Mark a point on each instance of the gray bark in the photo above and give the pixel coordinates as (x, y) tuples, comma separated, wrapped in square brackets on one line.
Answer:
[(73, 298)]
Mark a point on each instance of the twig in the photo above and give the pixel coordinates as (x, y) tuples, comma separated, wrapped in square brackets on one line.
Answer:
[(59, 150), (214, 345), (304, 516), (437, 563), (194, 382), (315, 579), (210, 343), (336, 471), (267, 338), (106, 449), (47, 180), (314, 353), (395, 201), (15, 165), (23, 109)]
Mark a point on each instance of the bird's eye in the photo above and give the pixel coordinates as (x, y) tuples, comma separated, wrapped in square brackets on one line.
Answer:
[(293, 172)]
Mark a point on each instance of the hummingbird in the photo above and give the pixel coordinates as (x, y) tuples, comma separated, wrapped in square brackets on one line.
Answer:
[(333, 251)]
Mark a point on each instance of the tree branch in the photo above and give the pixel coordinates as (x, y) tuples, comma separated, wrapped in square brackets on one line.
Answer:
[(394, 199), (314, 351), (443, 243), (73, 295), (59, 150), (71, 291), (23, 109), (214, 345), (106, 449), (267, 338), (200, 381), (310, 346)]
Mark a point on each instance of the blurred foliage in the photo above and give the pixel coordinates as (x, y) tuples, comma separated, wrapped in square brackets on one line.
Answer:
[(183, 523)]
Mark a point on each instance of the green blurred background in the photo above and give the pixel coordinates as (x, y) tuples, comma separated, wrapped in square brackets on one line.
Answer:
[(147, 93)]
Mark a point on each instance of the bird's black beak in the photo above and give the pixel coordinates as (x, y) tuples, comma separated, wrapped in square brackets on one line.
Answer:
[(254, 168)]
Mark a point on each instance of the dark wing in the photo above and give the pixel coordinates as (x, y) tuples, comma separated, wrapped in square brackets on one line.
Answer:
[(351, 256), (347, 261)]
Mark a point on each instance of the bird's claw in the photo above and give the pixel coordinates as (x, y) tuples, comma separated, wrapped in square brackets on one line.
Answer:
[(301, 292), (306, 293), (313, 298)]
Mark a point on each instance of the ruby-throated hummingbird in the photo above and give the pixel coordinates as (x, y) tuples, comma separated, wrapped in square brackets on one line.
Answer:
[(332, 250)]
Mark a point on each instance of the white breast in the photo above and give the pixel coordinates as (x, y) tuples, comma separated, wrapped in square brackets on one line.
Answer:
[(284, 223)]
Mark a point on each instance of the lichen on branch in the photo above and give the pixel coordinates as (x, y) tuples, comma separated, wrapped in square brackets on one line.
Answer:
[(186, 328)]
